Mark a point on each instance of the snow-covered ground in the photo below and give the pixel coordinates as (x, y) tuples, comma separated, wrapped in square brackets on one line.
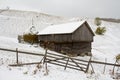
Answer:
[(12, 23), (23, 20)]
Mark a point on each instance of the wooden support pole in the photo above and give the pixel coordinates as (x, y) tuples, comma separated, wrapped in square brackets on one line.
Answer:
[(114, 67), (92, 68), (88, 65), (118, 66), (46, 68), (45, 62), (45, 56), (17, 56), (77, 65), (66, 64), (105, 66)]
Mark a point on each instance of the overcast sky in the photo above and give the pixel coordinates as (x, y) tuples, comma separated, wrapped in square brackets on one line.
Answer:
[(68, 8)]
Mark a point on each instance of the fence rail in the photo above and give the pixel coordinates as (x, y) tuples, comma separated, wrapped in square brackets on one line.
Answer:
[(52, 58), (59, 59), (22, 52)]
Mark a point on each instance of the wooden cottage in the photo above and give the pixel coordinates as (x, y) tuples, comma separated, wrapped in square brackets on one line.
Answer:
[(74, 38)]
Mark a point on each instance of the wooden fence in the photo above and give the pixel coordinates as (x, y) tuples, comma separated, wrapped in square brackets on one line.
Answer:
[(60, 60), (52, 58), (67, 62)]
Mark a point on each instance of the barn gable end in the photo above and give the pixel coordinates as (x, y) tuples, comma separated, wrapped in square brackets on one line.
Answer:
[(83, 33)]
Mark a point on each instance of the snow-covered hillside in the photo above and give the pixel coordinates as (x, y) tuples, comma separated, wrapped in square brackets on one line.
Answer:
[(14, 22), (107, 45)]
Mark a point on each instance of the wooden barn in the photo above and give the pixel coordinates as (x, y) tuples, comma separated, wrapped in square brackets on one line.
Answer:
[(69, 38)]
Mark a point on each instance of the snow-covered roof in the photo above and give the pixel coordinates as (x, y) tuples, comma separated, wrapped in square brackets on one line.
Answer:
[(62, 28)]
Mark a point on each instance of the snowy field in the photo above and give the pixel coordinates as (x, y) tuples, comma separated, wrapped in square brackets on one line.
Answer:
[(13, 23)]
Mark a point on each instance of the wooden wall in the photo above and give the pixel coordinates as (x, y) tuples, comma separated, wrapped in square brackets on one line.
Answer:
[(83, 34), (56, 38), (71, 48)]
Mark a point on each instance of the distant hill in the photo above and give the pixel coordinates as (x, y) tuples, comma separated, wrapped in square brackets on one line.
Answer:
[(111, 20), (14, 22)]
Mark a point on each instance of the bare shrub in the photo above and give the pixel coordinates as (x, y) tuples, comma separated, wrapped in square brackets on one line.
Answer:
[(100, 30), (30, 38)]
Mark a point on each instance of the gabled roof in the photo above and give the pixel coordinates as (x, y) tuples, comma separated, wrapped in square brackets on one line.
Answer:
[(62, 28)]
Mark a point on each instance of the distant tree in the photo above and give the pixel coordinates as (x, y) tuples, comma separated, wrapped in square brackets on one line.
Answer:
[(97, 21), (100, 30)]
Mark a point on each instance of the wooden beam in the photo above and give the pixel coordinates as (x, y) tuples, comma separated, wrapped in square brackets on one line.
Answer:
[(66, 57), (88, 64), (64, 66), (21, 64), (56, 59), (22, 52), (64, 63), (77, 65), (111, 64)]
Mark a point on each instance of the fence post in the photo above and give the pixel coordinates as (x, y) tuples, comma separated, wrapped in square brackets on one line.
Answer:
[(66, 63), (92, 68), (17, 55), (45, 62), (105, 66), (114, 67), (88, 65), (44, 59)]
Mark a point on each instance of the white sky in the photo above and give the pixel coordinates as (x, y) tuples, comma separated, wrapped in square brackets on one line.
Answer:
[(68, 8)]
